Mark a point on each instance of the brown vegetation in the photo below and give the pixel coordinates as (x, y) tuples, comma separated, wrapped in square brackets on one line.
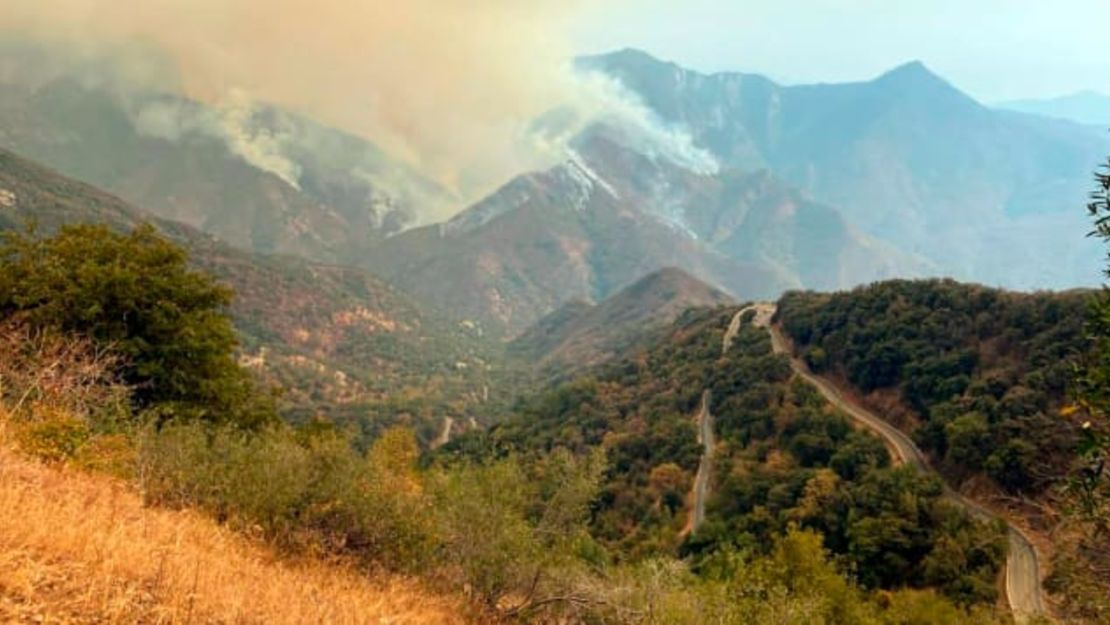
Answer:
[(84, 549)]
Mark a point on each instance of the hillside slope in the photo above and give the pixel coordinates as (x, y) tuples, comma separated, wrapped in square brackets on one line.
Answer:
[(84, 549), (783, 456), (978, 374), (333, 336)]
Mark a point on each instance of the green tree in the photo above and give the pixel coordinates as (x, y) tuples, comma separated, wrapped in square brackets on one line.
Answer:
[(1091, 483), (134, 294), (969, 438)]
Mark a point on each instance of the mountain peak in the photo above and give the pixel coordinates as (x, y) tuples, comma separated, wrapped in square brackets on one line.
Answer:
[(913, 71), (626, 59), (916, 80), (579, 335)]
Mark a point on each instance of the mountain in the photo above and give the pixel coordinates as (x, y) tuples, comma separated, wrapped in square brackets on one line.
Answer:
[(580, 335), (747, 216), (1084, 107), (610, 215), (333, 336), (988, 195), (545, 239), (258, 177)]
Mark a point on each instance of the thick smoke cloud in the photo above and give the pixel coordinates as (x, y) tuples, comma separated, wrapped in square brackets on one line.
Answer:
[(452, 87)]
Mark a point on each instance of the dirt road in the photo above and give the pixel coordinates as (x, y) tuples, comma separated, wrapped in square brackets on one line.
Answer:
[(1023, 579)]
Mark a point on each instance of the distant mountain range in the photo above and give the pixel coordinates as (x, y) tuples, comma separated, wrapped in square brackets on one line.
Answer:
[(823, 186), (987, 195), (814, 187), (1084, 107)]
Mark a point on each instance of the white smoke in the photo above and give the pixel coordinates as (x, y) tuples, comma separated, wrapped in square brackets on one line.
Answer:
[(233, 121), (596, 98)]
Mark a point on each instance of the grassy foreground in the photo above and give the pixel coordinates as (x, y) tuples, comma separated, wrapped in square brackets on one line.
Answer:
[(80, 548)]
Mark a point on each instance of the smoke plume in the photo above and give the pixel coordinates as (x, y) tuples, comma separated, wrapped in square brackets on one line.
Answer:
[(451, 87)]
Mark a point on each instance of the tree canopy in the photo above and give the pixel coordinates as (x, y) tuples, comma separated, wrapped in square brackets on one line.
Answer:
[(133, 294)]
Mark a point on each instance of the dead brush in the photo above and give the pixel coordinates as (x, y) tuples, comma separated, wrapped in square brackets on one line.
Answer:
[(56, 391)]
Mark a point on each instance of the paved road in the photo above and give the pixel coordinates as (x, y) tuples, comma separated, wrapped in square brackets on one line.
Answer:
[(1023, 580)]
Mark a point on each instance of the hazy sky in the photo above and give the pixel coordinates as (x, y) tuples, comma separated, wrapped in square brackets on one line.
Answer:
[(993, 49)]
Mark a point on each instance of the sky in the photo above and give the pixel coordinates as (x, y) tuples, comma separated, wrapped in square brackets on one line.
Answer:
[(996, 50)]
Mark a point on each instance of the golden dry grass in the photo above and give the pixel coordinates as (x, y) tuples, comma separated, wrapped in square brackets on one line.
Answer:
[(79, 548)]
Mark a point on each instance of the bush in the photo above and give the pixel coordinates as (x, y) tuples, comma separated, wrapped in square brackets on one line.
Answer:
[(311, 493), (53, 436), (61, 400)]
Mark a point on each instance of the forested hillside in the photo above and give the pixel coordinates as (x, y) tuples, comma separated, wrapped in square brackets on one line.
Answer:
[(338, 341), (979, 375), (784, 459), (988, 383)]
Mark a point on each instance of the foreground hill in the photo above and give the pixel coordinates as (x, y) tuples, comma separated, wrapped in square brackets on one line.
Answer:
[(84, 549), (987, 195), (980, 374), (333, 336), (983, 380), (581, 334)]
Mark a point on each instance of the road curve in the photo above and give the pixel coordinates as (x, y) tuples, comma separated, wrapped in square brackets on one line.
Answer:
[(444, 434), (1023, 579)]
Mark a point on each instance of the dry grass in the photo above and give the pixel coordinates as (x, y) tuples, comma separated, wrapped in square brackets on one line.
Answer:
[(77, 548)]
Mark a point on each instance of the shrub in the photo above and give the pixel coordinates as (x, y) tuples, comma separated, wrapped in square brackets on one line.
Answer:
[(59, 397), (52, 436), (308, 493)]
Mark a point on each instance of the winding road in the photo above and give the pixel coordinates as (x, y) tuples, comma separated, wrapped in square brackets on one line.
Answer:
[(1023, 579), (705, 433)]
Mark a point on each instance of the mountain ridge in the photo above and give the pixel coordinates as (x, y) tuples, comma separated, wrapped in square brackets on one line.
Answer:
[(906, 156), (580, 335), (608, 216)]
